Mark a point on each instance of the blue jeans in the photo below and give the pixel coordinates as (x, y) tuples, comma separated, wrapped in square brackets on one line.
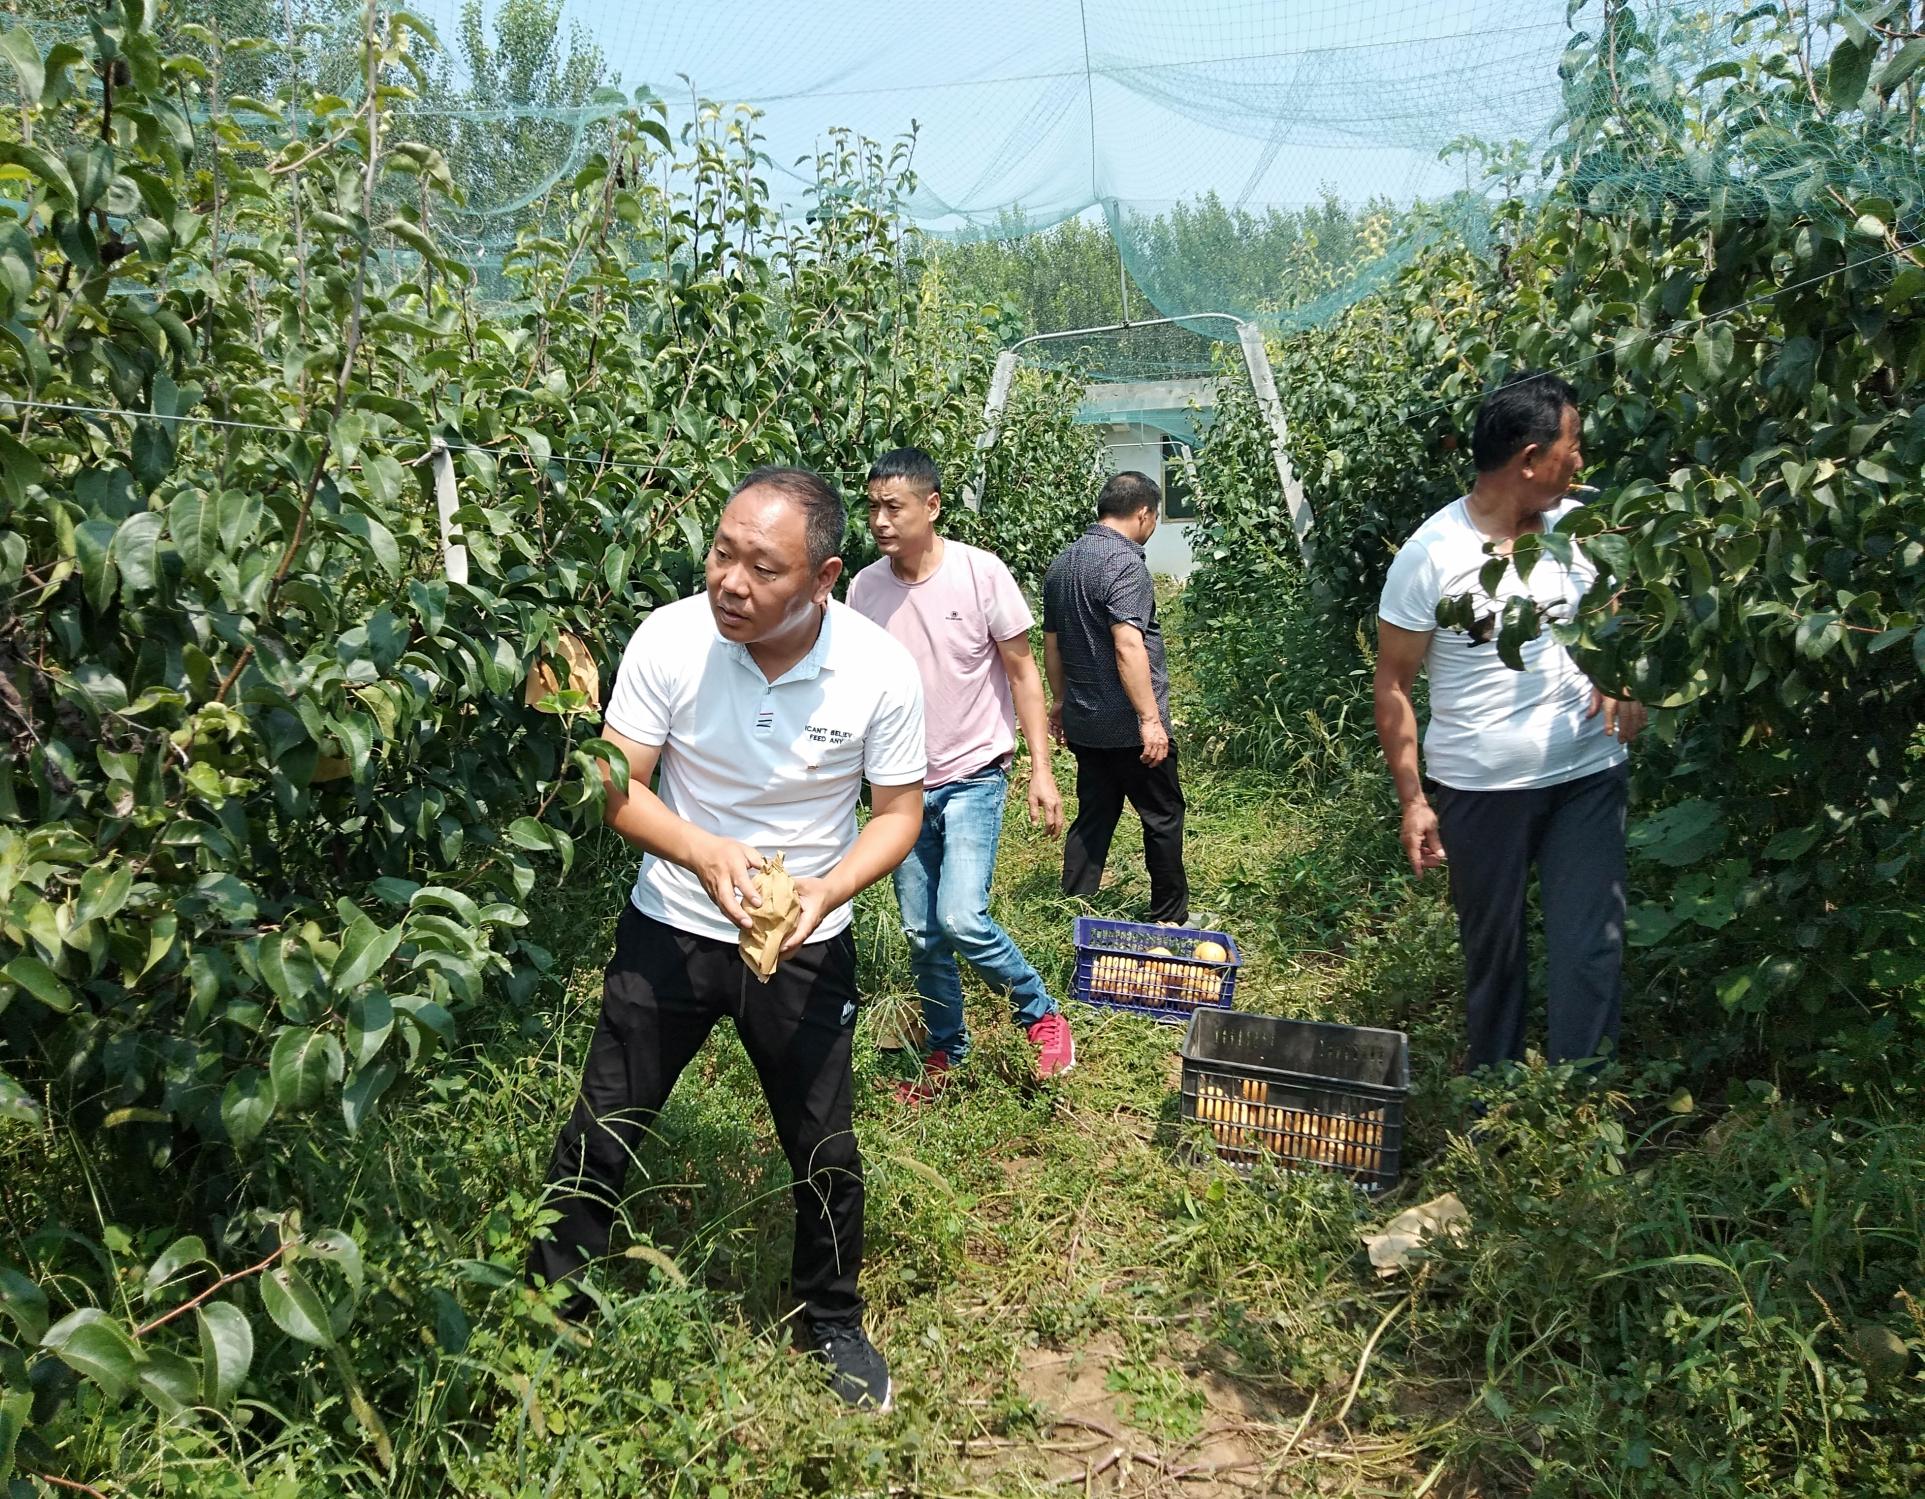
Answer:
[(943, 888)]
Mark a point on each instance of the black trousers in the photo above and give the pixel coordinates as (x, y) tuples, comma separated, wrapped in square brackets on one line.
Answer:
[(1105, 779), (662, 994), (1574, 834)]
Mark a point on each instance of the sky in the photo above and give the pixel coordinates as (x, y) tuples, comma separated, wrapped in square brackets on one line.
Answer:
[(1049, 107)]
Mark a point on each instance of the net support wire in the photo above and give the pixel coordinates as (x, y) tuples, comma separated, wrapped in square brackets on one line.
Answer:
[(1256, 361)]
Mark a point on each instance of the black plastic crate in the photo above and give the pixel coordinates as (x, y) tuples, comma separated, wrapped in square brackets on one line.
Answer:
[(1118, 968), (1305, 1092)]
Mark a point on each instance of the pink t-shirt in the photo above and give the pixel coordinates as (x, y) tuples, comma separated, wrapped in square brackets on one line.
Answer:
[(951, 622)]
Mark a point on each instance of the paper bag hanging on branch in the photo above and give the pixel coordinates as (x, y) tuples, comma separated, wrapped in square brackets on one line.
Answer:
[(772, 921), (582, 675)]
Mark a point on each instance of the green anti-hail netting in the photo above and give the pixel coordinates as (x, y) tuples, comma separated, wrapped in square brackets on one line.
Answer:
[(1170, 118), (1209, 135), (1173, 121)]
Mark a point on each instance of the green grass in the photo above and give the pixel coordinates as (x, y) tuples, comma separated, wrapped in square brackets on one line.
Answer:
[(1009, 1225), (1660, 1296), (1036, 1254)]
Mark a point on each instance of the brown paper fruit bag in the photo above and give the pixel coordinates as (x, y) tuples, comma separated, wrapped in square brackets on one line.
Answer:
[(772, 921), (582, 675)]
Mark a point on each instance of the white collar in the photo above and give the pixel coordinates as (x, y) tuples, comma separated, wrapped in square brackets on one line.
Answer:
[(807, 669)]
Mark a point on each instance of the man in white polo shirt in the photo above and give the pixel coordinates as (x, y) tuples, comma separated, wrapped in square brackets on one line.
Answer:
[(959, 613), (1523, 767), (764, 705)]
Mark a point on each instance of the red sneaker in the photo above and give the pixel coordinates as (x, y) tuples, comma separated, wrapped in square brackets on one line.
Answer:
[(1055, 1046), (935, 1076)]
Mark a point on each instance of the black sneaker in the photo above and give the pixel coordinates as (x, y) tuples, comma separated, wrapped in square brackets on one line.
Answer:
[(857, 1372)]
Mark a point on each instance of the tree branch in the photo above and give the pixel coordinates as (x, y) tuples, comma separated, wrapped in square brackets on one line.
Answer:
[(1892, 241), (1804, 61), (68, 1483), (226, 1280)]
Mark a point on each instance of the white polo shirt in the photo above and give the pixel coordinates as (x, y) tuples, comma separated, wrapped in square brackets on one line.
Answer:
[(1491, 728), (776, 765)]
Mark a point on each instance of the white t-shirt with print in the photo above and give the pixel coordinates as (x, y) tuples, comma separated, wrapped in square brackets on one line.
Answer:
[(1492, 728), (776, 765)]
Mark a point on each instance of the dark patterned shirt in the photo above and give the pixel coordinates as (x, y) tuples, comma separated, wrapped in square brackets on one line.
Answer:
[(1098, 581)]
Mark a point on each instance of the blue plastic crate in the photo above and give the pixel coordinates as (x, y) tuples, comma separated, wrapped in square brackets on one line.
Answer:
[(1116, 969)]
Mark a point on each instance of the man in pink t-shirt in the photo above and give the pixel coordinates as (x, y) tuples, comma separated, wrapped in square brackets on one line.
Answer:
[(966, 622)]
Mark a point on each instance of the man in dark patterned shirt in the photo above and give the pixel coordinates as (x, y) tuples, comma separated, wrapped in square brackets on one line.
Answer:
[(1103, 651)]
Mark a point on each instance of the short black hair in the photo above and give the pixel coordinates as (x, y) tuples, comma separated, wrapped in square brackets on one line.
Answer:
[(1527, 408), (1126, 494), (911, 464), (824, 515)]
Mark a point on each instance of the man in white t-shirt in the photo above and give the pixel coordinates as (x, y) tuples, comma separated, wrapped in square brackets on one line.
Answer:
[(1522, 768), (763, 705), (959, 613)]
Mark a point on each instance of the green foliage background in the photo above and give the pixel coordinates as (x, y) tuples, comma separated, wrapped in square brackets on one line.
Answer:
[(1754, 400), (278, 829), (273, 805), (1728, 266)]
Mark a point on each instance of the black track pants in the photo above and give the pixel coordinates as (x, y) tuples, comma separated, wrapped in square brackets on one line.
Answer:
[(1105, 779), (662, 994), (1574, 834)]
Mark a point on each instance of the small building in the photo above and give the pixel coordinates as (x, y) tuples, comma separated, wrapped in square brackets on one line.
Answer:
[(1151, 427)]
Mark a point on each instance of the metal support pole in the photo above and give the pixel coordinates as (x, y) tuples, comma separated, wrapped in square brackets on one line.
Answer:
[(999, 383), (1263, 383), (1257, 359), (1154, 322), (454, 555)]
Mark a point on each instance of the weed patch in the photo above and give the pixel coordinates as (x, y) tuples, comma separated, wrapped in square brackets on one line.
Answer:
[(1660, 1295)]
